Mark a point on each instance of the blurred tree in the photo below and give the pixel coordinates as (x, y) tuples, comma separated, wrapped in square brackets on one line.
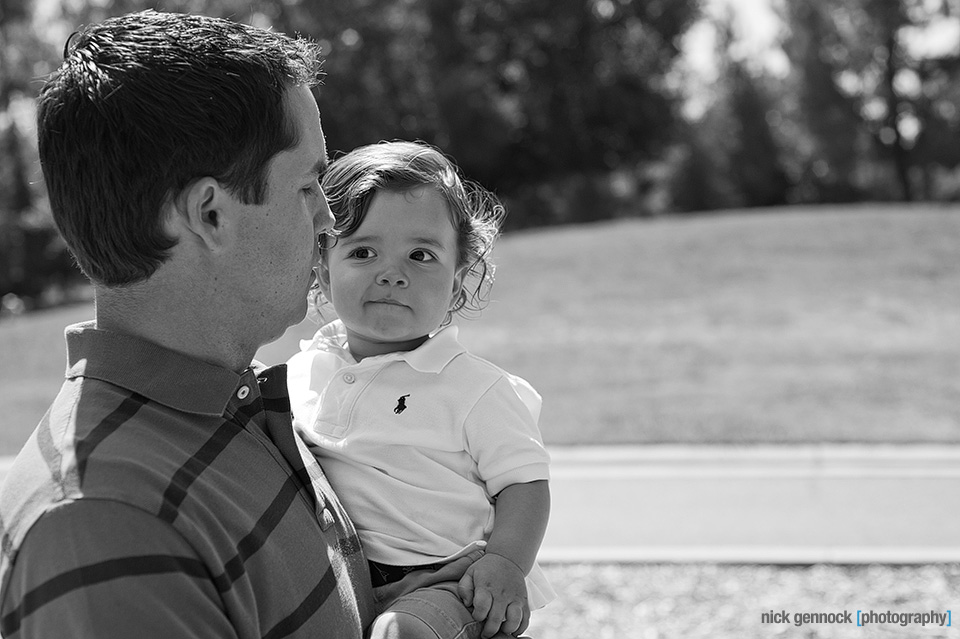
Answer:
[(935, 100), (523, 93), (27, 238), (697, 175), (12, 14), (555, 104), (755, 158), (829, 118), (866, 68), (15, 195), (14, 201), (731, 156)]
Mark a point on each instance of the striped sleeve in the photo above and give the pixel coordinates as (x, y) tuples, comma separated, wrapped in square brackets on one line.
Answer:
[(104, 569)]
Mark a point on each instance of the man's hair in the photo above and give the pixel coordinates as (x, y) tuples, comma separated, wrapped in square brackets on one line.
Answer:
[(476, 214), (143, 105)]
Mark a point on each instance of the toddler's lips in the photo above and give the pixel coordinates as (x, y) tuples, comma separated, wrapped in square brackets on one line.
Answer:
[(387, 301)]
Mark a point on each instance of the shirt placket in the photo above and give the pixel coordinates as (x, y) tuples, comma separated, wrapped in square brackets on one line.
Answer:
[(250, 402)]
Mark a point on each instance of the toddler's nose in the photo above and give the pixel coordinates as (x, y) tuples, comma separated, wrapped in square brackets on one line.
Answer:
[(392, 276)]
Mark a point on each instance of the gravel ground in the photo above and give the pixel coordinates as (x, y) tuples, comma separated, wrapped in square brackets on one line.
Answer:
[(667, 601)]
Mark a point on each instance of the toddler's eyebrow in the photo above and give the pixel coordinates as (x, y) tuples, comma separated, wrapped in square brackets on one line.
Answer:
[(357, 239), (366, 239), (429, 241)]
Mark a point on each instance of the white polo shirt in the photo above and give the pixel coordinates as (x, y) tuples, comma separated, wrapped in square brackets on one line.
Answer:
[(416, 444)]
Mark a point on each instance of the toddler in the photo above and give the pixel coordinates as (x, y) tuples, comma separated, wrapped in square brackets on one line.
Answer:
[(433, 451)]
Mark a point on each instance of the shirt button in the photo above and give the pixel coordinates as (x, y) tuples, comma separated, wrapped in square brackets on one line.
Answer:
[(243, 392), (349, 378)]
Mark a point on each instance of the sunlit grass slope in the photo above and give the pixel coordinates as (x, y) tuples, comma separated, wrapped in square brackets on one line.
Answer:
[(796, 325), (823, 324)]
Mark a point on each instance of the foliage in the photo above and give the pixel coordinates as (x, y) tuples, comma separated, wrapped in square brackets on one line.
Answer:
[(571, 110), (524, 94), (731, 157), (537, 99), (32, 256), (878, 106), (867, 110)]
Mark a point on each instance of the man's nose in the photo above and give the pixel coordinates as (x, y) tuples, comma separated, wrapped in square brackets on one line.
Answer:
[(323, 220)]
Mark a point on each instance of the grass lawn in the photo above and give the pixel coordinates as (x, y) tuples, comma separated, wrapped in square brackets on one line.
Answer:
[(797, 325)]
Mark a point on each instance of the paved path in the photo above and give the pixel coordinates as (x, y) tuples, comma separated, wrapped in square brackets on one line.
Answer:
[(807, 504)]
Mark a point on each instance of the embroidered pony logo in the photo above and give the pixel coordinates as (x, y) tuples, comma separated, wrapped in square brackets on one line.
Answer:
[(401, 404)]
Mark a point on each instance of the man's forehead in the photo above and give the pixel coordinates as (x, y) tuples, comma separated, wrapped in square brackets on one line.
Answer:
[(303, 111), (309, 154)]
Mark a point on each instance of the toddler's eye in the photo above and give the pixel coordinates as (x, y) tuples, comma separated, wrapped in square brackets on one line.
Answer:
[(362, 253), (422, 256)]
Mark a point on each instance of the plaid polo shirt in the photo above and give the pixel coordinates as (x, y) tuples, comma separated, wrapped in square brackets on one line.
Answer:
[(162, 496)]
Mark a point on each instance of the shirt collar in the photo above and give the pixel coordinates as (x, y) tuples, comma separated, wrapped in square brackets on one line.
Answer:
[(431, 357), (162, 375)]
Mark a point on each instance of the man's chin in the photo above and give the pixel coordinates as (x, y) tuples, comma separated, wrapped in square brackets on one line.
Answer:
[(294, 318)]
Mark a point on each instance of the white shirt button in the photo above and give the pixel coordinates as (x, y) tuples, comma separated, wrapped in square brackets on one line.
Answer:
[(243, 392), (349, 378)]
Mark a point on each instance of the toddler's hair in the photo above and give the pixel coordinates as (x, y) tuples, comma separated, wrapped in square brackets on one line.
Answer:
[(352, 180)]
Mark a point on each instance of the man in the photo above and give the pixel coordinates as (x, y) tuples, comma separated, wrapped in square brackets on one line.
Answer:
[(163, 494)]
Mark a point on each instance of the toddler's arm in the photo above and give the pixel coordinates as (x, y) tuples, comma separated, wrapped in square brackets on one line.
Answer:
[(494, 584)]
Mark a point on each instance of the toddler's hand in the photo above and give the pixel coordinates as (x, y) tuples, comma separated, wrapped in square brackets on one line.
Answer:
[(495, 587)]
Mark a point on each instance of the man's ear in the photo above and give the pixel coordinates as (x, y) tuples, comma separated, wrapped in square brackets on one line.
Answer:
[(203, 209)]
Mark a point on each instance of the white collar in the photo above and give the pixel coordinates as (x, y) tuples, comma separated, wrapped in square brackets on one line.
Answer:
[(430, 357)]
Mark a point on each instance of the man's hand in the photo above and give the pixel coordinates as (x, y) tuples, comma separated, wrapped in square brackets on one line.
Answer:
[(495, 587)]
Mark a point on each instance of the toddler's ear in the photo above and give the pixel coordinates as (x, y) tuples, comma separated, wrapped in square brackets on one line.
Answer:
[(458, 280)]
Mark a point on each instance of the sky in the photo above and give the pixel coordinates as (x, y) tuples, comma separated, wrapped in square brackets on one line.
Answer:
[(757, 25)]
